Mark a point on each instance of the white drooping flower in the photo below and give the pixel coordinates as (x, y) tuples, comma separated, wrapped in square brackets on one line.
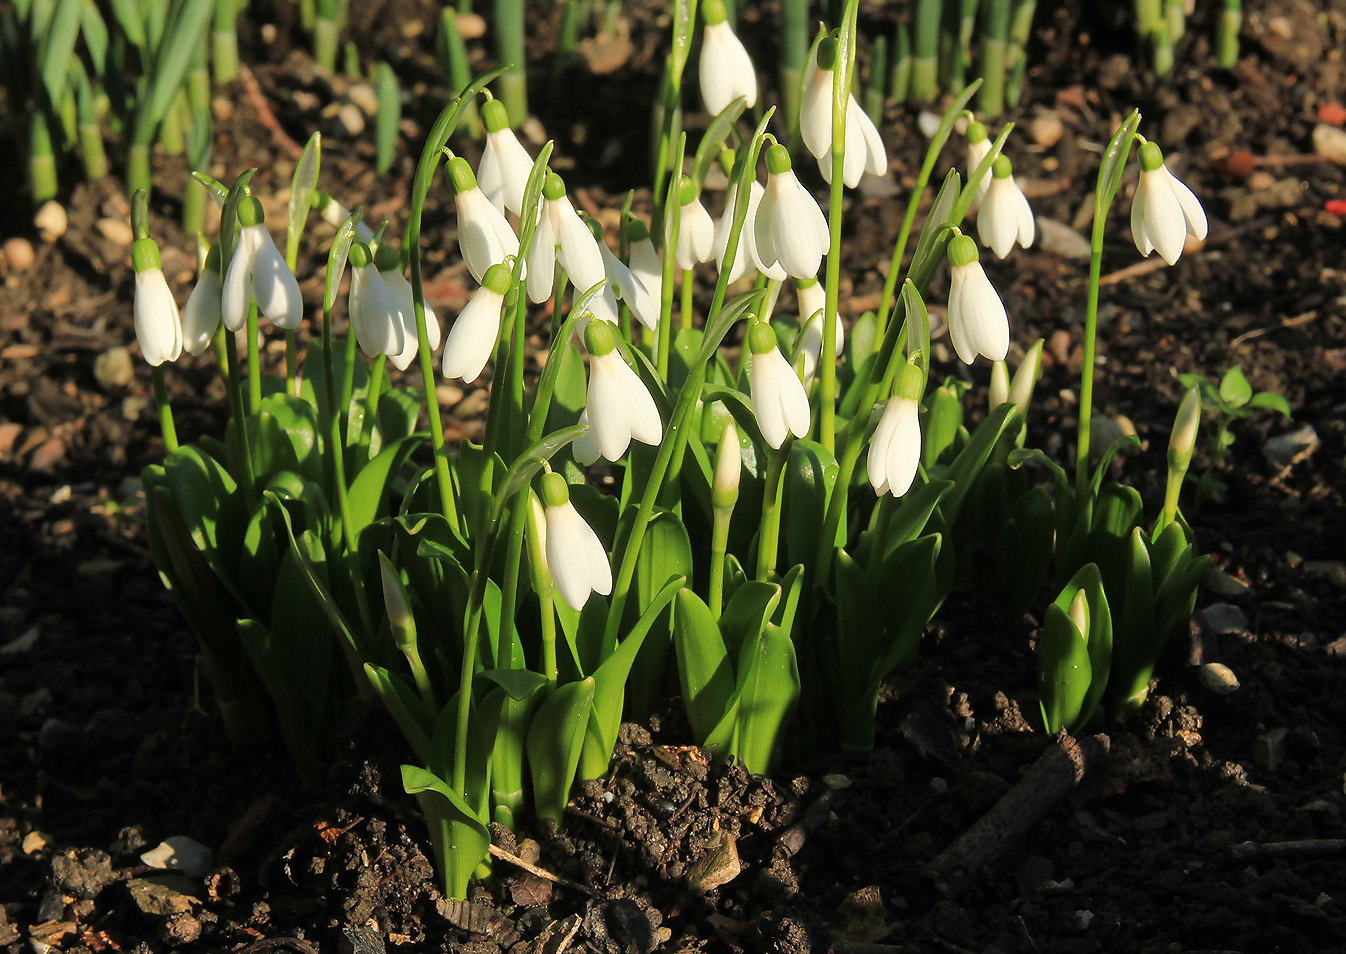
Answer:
[(334, 214), (895, 451), (977, 320), (645, 263), (561, 236), (696, 229), (790, 228), (585, 447), (258, 270), (812, 301), (777, 395), (1164, 211), (484, 237), (619, 405), (402, 288), (578, 563), (158, 325), (1004, 216), (864, 145), (502, 174), (725, 70), (978, 145), (630, 289), (747, 239), (374, 308), (201, 314), (473, 334)]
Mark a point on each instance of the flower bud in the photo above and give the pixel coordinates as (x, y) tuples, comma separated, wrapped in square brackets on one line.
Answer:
[(728, 468)]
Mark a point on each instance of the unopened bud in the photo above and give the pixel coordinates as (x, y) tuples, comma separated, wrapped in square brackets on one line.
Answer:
[(1026, 378), (1000, 385), (1183, 439), (398, 606), (1079, 614), (728, 468)]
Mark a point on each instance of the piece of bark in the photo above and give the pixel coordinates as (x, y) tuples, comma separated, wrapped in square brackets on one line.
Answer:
[(1056, 772)]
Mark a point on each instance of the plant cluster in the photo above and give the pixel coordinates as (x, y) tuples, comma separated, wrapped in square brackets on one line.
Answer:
[(774, 525)]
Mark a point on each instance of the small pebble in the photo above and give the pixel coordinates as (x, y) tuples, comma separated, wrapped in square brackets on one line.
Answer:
[(928, 123), (1219, 678), (113, 369), (350, 120), (1221, 618), (1046, 129), (19, 254), (363, 95), (51, 221), (116, 231), (1222, 584), (1330, 142), (180, 853), (471, 26)]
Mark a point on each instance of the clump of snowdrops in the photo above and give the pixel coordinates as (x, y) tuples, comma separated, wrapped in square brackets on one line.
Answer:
[(764, 531)]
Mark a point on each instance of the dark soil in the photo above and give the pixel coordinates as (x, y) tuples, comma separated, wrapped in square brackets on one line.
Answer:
[(1213, 822)]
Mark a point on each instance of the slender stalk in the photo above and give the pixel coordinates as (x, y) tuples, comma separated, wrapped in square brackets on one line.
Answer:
[(509, 33), (242, 439), (224, 41), (1149, 14), (347, 384), (794, 51), (925, 59), (994, 43), (686, 277), (670, 114), (719, 547), (326, 33), (885, 515), (1176, 18), (41, 161), (454, 58), (170, 432), (1163, 50), (372, 404), (768, 536), (671, 226), (291, 365), (1227, 39), (901, 81), (254, 362), (827, 363), (878, 72)]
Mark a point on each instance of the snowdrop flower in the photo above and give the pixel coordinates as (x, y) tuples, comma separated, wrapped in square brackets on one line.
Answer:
[(895, 450), (1182, 439), (864, 145), (747, 239), (644, 261), (725, 70), (401, 286), (1004, 216), (201, 315), (977, 320), (790, 228), (334, 214), (158, 327), (728, 468), (1164, 211), (257, 270), (998, 393), (1026, 378), (505, 165), (629, 288), (576, 558), (484, 237), (619, 405), (473, 335), (375, 311), (585, 447), (812, 301), (561, 236), (777, 395), (978, 145), (696, 229)]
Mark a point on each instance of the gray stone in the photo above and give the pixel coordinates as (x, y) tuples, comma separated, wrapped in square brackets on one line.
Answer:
[(113, 369), (1219, 678), (180, 853), (1060, 239), (1223, 618)]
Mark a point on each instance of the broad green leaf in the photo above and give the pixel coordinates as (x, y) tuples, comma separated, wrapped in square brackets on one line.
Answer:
[(665, 554), (712, 141), (1063, 669), (810, 474), (370, 490), (302, 184), (461, 839), (405, 706), (769, 690), (555, 739), (745, 613), (970, 460), (941, 424), (934, 236), (860, 637), (1272, 401), (295, 712), (704, 669), (1112, 168)]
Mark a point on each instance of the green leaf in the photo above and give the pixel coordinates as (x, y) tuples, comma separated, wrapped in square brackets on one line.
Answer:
[(518, 683), (555, 739), (302, 184), (388, 117), (860, 638), (461, 839), (941, 426), (287, 438), (336, 268), (665, 554), (973, 457), (713, 139), (704, 669), (1112, 168), (1234, 388), (1063, 669), (229, 216), (1136, 641), (746, 612), (934, 236), (294, 711), (174, 54), (810, 474), (371, 487), (405, 706), (1272, 401), (768, 692)]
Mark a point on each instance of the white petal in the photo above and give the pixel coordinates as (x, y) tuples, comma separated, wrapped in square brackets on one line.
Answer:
[(376, 314), (579, 254), (574, 555), (904, 451), (201, 316), (402, 287), (234, 295), (1027, 229), (607, 411), (997, 223), (957, 324), (984, 320), (158, 326), (815, 114), (766, 404), (1138, 221), (764, 231), (696, 235), (1191, 208), (490, 177), (876, 156), (797, 224), (542, 260), (976, 152), (749, 237), (876, 464), (641, 412), (585, 448), (472, 336), (725, 70), (1165, 225), (273, 285), (484, 237), (647, 267)]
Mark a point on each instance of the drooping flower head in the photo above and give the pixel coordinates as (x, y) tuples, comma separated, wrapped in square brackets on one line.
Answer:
[(627, 286), (778, 399), (502, 174), (620, 406), (977, 320), (484, 237), (386, 262), (978, 145), (473, 335), (561, 236), (725, 70), (258, 271), (644, 262), (578, 563), (1004, 216), (864, 145), (201, 315), (812, 300), (895, 451), (746, 255), (696, 229), (790, 228), (158, 327), (391, 269), (1164, 211), (375, 311)]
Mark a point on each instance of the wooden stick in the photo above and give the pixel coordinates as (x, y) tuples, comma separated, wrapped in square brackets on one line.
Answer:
[(1056, 772), (533, 869)]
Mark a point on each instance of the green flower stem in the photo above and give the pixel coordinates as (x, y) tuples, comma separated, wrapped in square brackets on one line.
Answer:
[(675, 437), (326, 33), (509, 33), (1227, 38), (372, 396), (242, 442), (170, 432), (224, 41), (671, 227), (925, 61), (994, 40), (684, 19), (217, 344), (768, 536), (291, 365), (41, 162), (509, 591), (827, 363), (542, 585), (254, 362), (794, 47), (719, 546), (347, 384), (471, 636), (885, 507), (686, 276)]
